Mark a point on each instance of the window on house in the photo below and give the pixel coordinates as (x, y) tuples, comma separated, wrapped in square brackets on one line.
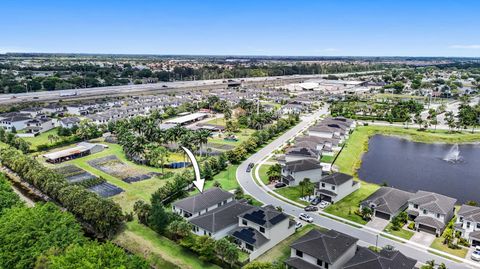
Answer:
[(262, 230), (326, 265), (468, 224), (424, 212), (319, 262), (415, 206), (219, 204), (478, 225), (460, 219), (438, 216), (249, 247), (333, 187), (323, 185), (244, 222), (299, 253)]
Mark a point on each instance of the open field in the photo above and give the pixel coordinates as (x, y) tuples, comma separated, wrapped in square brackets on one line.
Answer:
[(217, 121), (227, 178), (159, 250), (292, 193), (242, 135)]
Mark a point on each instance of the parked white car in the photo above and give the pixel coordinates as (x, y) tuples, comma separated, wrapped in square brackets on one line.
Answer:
[(476, 254), (323, 204), (298, 225), (305, 217)]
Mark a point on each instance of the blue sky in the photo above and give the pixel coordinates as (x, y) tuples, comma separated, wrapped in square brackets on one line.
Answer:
[(243, 27)]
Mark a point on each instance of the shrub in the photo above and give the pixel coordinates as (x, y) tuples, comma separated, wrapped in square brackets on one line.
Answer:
[(411, 226)]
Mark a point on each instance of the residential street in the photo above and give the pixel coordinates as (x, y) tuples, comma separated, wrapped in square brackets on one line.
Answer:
[(367, 235)]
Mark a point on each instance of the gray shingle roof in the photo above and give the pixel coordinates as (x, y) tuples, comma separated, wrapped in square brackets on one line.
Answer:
[(303, 165), (429, 221), (222, 217), (201, 201), (326, 246), (471, 213), (336, 178), (434, 202), (388, 200), (300, 264), (385, 259)]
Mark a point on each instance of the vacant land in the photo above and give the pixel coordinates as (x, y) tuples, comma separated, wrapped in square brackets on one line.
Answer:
[(292, 193)]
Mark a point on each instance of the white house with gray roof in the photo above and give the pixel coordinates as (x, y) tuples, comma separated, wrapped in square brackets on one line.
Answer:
[(387, 202), (366, 258), (202, 203), (431, 211), (335, 187), (468, 223), (260, 229), (317, 249), (295, 171), (220, 221)]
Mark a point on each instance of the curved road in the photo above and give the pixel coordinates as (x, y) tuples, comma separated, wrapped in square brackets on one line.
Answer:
[(367, 236)]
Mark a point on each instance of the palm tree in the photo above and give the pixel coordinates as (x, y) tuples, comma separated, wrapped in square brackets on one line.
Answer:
[(274, 172)]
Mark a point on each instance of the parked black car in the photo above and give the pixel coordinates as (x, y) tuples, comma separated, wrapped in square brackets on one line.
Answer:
[(280, 185), (311, 208)]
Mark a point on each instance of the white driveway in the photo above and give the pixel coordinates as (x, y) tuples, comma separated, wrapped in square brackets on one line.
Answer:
[(423, 238), (377, 224)]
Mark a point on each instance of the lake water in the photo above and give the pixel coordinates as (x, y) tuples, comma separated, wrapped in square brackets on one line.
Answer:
[(413, 166)]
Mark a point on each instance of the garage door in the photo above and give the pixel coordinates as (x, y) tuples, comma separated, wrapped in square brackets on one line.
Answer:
[(427, 229), (325, 198), (382, 215), (475, 243)]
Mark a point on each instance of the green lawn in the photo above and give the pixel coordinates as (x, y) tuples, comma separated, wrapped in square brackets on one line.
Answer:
[(217, 121), (41, 138), (262, 172), (227, 178), (242, 135), (327, 159), (403, 233), (281, 251), (293, 193), (158, 250), (347, 206), (438, 245)]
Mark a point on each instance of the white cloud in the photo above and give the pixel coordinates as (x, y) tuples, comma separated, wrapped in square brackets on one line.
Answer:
[(465, 47)]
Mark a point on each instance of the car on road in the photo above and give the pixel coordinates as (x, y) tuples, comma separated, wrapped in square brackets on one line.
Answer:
[(311, 208), (476, 254), (315, 201), (298, 225), (251, 165), (323, 204), (280, 185), (248, 169), (305, 217)]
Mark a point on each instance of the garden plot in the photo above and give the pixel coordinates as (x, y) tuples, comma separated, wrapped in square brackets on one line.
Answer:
[(106, 189), (116, 168), (74, 174)]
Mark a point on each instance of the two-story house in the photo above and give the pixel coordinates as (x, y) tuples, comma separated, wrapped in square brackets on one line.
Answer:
[(218, 222), (387, 202), (69, 122), (301, 152), (468, 223), (317, 249), (260, 229), (431, 211), (39, 125), (335, 187), (295, 171), (15, 122), (202, 203)]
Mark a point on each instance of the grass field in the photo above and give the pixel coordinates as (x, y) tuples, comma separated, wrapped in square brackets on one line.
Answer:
[(242, 135), (158, 250), (281, 251), (403, 233), (347, 206), (133, 191), (438, 245), (226, 178), (292, 193), (42, 139), (217, 121), (262, 172)]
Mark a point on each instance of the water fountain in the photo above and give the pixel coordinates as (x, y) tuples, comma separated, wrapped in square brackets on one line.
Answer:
[(453, 155)]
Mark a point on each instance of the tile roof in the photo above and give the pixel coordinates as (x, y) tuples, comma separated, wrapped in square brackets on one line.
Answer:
[(434, 202), (326, 246), (385, 259), (388, 200), (202, 201), (336, 178), (222, 217), (471, 213), (302, 165)]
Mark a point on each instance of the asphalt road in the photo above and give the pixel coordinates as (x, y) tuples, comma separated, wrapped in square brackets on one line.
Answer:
[(152, 88), (366, 236)]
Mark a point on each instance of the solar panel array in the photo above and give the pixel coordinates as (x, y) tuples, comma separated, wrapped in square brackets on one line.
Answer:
[(257, 216), (246, 235)]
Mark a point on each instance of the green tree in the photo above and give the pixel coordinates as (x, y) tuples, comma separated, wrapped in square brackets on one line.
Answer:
[(26, 233), (259, 265), (90, 255), (142, 210), (8, 198), (158, 218)]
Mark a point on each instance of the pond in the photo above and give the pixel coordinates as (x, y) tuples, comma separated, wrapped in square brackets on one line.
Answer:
[(452, 170)]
